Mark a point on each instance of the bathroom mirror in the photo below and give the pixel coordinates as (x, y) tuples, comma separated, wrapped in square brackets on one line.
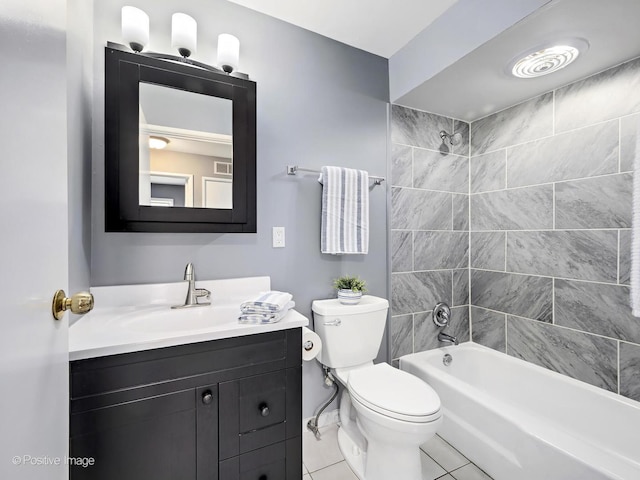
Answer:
[(180, 149), (185, 149)]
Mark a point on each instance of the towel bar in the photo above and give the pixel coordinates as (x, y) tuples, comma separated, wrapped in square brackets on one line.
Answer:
[(294, 169)]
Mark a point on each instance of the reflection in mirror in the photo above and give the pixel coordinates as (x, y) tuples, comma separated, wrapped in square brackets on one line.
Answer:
[(185, 149)]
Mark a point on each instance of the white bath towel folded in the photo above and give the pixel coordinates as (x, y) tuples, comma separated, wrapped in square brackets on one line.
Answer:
[(262, 318), (345, 211), (267, 302), (635, 231)]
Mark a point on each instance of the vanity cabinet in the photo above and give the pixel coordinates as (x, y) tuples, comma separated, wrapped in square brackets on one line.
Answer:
[(224, 409)]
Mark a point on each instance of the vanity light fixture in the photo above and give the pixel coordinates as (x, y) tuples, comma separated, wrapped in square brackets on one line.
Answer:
[(158, 143), (228, 52), (184, 34), (547, 59), (135, 28), (184, 37)]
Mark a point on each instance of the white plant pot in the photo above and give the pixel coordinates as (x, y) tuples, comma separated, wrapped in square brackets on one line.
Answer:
[(349, 297)]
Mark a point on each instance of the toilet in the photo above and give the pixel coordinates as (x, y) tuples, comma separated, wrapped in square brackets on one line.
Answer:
[(385, 413)]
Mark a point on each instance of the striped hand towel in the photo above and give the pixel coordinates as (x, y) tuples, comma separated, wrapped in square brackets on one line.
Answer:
[(345, 211), (263, 318), (267, 302)]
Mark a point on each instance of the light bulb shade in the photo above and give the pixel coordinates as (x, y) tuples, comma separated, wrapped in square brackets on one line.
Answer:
[(158, 143), (135, 28), (184, 34), (228, 52)]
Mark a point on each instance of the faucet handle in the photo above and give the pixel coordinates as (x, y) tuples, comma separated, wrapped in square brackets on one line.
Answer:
[(203, 292), (441, 314)]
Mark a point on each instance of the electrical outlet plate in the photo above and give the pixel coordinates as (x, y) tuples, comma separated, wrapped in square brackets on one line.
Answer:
[(278, 237)]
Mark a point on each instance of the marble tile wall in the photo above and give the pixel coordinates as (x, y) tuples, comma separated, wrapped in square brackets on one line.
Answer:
[(550, 188), (429, 229)]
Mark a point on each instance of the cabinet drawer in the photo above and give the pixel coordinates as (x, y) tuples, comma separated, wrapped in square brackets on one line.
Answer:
[(281, 461), (242, 405), (262, 401)]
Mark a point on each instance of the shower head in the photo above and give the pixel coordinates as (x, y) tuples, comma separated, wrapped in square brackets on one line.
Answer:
[(454, 139)]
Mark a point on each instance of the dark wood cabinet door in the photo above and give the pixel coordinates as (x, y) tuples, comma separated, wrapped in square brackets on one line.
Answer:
[(150, 438)]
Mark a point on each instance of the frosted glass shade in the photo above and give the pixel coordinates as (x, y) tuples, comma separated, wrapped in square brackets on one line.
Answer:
[(135, 28), (228, 52), (184, 34)]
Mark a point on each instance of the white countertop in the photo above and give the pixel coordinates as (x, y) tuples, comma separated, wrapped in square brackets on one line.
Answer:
[(132, 318)]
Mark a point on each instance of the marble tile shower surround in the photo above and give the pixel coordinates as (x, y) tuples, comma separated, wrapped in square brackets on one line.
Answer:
[(547, 215), (550, 190), (612, 94), (429, 229), (595, 203)]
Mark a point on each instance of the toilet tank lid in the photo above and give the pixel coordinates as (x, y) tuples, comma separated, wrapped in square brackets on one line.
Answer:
[(332, 306)]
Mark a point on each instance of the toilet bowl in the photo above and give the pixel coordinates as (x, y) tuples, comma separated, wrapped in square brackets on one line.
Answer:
[(385, 413), (395, 412)]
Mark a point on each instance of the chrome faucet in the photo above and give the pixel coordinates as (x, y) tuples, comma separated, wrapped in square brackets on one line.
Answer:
[(193, 293), (441, 316), (446, 338)]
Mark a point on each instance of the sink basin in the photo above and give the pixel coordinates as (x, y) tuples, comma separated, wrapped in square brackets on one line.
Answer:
[(163, 319), (131, 318)]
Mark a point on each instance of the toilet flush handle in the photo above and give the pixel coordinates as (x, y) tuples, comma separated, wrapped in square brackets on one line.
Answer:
[(333, 323)]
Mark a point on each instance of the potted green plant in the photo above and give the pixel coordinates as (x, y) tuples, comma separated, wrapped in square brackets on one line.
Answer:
[(350, 289)]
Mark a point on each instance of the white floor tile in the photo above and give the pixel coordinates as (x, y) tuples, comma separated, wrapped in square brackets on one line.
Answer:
[(446, 477), (469, 472), (443, 453), (306, 477), (430, 469), (339, 471), (317, 454)]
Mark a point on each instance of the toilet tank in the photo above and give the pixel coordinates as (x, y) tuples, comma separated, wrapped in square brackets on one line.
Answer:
[(351, 334)]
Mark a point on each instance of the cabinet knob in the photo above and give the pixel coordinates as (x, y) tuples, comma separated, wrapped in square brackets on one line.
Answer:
[(262, 477), (207, 397), (264, 411)]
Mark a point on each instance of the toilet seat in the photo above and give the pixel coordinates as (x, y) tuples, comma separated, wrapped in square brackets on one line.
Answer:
[(394, 393)]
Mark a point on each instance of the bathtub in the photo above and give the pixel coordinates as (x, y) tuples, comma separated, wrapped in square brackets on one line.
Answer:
[(518, 421)]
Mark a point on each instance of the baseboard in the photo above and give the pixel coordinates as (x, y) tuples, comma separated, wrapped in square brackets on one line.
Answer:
[(327, 418)]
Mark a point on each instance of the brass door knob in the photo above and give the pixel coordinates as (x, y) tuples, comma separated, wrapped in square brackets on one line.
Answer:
[(79, 303)]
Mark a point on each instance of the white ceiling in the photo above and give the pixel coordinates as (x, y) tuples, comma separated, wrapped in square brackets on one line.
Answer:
[(378, 26), (477, 84)]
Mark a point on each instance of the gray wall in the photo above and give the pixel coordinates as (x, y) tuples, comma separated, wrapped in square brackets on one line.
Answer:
[(429, 229), (79, 102), (551, 196), (319, 102)]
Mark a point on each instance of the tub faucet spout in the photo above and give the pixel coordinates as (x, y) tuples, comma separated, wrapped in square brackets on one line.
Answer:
[(446, 338)]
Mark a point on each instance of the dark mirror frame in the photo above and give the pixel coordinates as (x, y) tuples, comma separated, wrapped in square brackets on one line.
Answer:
[(124, 71)]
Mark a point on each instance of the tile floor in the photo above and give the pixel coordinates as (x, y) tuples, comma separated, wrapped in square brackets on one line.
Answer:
[(322, 460)]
